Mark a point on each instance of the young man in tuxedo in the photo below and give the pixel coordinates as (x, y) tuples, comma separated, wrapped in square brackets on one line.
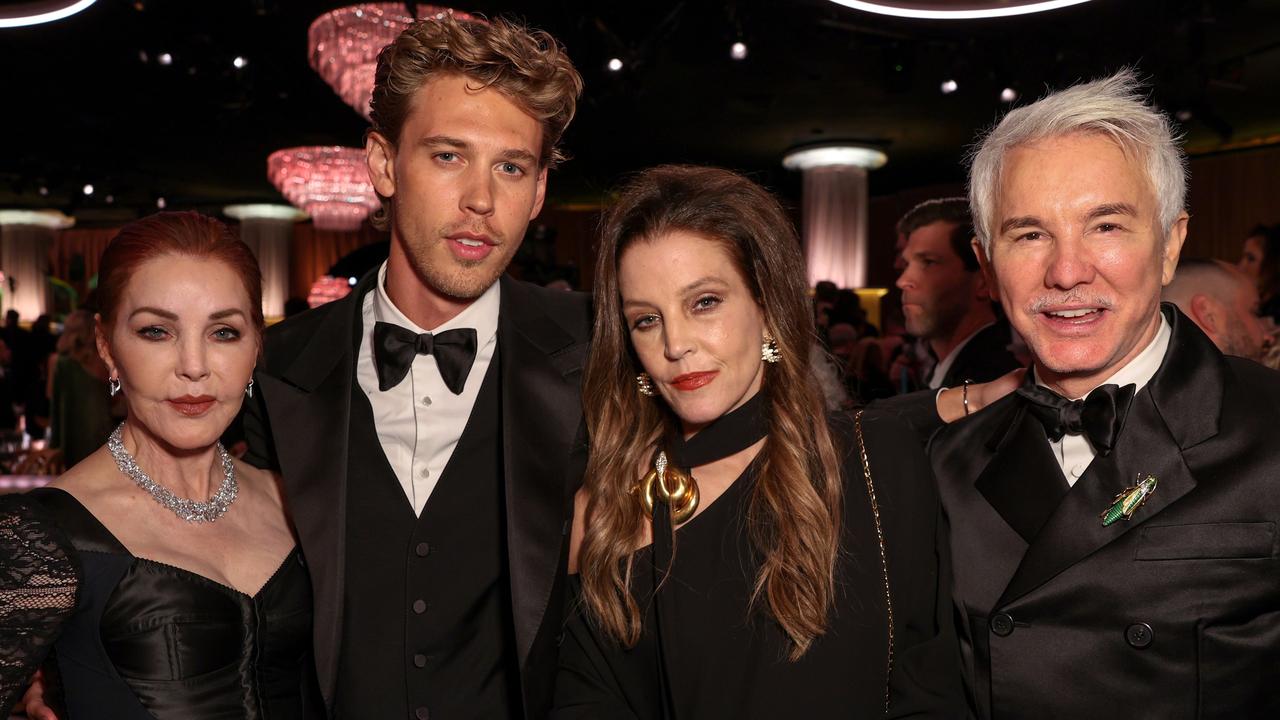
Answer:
[(428, 426), (945, 299), (1113, 521)]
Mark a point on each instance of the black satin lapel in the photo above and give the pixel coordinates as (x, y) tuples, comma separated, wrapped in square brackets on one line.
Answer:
[(1075, 531), (310, 432), (541, 418), (1023, 482)]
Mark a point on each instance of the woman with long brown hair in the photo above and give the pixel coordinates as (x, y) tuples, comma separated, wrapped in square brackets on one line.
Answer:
[(739, 552)]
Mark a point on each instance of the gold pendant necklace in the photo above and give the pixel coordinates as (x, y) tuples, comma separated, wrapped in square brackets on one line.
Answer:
[(670, 485)]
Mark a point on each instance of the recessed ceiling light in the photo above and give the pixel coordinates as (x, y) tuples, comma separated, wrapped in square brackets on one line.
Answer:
[(834, 156), (738, 51), (949, 86), (615, 64), (1008, 95)]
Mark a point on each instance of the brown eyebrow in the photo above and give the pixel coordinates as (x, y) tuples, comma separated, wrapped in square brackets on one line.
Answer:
[(220, 314), (444, 140), (687, 289)]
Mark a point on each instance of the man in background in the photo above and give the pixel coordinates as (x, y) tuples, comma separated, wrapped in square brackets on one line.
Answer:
[(1223, 302)]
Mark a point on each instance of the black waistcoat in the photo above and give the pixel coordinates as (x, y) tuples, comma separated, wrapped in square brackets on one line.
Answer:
[(427, 627)]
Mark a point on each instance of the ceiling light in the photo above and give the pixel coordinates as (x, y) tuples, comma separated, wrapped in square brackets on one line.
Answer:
[(968, 10), (615, 64), (1008, 95), (834, 156), (240, 62), (44, 191), (26, 13), (164, 59), (949, 86), (331, 184), (738, 51), (160, 203), (1183, 115), (88, 189), (110, 199), (51, 219)]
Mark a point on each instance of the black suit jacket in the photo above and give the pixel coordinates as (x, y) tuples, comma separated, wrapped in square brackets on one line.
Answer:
[(1173, 614), (298, 423), (984, 358)]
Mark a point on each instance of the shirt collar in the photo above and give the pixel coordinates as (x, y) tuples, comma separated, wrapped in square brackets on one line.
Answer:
[(1142, 367), (482, 314)]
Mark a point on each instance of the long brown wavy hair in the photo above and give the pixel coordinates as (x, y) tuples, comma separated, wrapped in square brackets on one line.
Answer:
[(793, 513)]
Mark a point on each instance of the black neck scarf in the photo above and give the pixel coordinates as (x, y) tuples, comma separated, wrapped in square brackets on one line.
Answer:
[(730, 433)]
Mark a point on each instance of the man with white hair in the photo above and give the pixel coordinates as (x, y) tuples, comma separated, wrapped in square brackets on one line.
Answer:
[(1221, 301), (1114, 520)]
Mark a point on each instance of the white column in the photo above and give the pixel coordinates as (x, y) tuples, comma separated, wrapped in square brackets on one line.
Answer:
[(25, 239), (834, 210), (268, 230)]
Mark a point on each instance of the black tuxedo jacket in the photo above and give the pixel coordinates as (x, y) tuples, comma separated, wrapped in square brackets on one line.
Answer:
[(298, 420), (984, 358), (1172, 614)]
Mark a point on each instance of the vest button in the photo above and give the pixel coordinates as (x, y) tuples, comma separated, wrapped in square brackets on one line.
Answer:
[(422, 714), (1002, 624), (426, 399), (423, 549), (419, 660), (425, 473), (1139, 635), (419, 606)]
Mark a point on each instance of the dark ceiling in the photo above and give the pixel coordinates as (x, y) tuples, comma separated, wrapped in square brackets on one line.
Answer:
[(87, 102)]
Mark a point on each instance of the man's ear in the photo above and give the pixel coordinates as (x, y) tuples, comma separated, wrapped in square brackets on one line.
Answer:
[(1172, 249), (1206, 313), (541, 194), (380, 156), (988, 274)]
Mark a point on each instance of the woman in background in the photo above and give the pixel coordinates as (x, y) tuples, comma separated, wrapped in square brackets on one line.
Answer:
[(80, 407)]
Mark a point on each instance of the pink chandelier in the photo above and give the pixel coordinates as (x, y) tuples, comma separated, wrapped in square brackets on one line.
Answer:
[(330, 183), (343, 44)]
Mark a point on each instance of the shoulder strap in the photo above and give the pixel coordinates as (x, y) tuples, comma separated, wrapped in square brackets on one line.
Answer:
[(884, 561), (84, 530)]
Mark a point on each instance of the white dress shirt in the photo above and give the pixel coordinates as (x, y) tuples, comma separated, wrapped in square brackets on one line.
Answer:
[(419, 421), (944, 366), (1075, 452)]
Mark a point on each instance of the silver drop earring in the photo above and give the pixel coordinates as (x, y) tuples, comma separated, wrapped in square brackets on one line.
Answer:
[(113, 386), (248, 390)]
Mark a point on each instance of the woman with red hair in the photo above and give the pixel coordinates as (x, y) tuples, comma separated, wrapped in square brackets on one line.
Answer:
[(162, 572)]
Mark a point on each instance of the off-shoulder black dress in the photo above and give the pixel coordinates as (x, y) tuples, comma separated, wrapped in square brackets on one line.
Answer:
[(704, 655), (133, 638)]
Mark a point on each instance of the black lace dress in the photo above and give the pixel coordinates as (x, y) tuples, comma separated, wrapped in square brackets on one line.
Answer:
[(130, 638)]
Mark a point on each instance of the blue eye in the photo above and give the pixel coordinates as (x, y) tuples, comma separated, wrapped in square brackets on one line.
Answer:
[(152, 332), (226, 334), (644, 322), (707, 302)]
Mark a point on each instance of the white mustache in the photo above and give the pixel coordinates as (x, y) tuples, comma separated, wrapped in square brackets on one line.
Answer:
[(1072, 298)]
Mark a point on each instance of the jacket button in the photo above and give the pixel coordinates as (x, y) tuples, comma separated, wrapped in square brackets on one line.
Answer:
[(419, 660), (422, 714), (1139, 635), (423, 549), (1002, 624), (419, 606)]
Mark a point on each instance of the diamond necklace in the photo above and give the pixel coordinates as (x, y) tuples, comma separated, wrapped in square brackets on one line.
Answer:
[(189, 510)]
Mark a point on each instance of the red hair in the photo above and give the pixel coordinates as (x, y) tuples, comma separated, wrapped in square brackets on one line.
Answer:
[(187, 234)]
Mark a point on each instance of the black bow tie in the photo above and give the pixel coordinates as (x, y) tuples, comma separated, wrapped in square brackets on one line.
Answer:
[(394, 349), (1099, 416)]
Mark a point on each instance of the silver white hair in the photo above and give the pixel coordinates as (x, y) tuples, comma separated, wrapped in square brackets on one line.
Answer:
[(1113, 106)]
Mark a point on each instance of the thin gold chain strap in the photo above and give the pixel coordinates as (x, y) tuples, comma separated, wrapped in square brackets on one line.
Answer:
[(884, 560)]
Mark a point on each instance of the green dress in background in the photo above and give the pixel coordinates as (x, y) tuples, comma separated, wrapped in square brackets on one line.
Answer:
[(80, 413)]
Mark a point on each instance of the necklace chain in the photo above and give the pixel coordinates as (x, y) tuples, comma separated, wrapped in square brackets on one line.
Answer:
[(189, 510)]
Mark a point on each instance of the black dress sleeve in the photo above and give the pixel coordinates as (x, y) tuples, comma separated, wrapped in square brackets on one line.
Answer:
[(586, 688), (39, 578), (925, 681)]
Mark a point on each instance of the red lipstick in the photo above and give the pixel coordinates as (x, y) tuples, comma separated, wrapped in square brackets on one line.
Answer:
[(693, 380), (193, 405)]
